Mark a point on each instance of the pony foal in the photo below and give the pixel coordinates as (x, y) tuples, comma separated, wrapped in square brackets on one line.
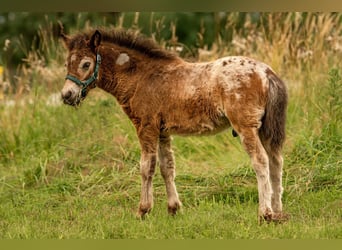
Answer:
[(164, 95)]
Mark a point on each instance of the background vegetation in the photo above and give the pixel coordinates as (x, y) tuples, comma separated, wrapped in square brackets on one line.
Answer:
[(67, 173)]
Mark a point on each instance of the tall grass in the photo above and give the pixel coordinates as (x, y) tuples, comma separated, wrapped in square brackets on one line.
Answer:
[(67, 173)]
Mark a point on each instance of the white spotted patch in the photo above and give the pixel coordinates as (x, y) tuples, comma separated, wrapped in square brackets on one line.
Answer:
[(122, 59)]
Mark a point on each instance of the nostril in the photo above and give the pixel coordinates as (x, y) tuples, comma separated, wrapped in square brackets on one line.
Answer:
[(66, 95)]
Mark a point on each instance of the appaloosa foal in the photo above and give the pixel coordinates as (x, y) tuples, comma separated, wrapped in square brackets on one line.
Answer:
[(164, 95)]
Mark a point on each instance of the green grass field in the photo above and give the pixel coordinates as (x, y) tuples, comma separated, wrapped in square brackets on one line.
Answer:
[(69, 173)]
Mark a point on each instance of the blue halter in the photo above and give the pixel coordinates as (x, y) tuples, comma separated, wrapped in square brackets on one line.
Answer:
[(90, 80)]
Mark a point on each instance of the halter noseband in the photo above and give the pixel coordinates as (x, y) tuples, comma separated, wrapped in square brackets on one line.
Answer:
[(90, 80)]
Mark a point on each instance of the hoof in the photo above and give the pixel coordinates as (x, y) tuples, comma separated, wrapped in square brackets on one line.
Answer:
[(280, 217), (265, 216), (174, 208), (143, 211), (277, 218)]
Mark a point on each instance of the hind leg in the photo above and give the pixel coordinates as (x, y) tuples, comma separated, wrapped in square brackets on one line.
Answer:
[(260, 162), (276, 166), (276, 169)]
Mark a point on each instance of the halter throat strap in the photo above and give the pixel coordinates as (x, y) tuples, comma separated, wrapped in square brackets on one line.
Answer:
[(90, 80)]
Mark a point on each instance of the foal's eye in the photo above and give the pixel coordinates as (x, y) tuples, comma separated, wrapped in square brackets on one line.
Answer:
[(86, 65)]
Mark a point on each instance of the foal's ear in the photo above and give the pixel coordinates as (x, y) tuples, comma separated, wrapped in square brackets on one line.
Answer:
[(95, 40), (62, 35)]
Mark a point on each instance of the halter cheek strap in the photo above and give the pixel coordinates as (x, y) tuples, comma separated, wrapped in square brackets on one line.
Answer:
[(90, 80)]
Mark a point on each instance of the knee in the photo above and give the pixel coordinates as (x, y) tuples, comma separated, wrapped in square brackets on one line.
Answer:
[(147, 165), (167, 169)]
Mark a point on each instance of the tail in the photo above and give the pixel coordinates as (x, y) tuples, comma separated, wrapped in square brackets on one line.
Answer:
[(273, 122)]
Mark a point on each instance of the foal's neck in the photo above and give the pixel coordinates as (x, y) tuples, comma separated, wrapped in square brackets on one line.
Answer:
[(123, 69)]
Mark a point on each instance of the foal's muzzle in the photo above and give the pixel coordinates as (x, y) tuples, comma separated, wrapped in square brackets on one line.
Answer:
[(71, 98)]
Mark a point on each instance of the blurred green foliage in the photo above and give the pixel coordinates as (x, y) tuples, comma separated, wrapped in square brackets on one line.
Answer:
[(21, 32), (20, 29)]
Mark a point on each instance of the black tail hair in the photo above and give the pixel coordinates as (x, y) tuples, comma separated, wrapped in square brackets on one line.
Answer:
[(274, 120)]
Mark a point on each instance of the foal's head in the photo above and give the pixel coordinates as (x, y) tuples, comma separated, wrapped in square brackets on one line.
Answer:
[(82, 67)]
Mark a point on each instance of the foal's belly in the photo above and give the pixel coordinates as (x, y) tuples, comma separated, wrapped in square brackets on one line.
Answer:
[(204, 127)]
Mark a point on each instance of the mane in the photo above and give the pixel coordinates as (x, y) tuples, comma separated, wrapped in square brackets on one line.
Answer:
[(126, 39)]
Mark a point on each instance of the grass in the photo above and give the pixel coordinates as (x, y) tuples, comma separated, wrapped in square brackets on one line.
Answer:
[(74, 174), (67, 173)]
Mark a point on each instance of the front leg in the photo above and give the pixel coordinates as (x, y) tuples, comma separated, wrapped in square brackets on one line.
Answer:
[(149, 142), (147, 169), (167, 169)]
